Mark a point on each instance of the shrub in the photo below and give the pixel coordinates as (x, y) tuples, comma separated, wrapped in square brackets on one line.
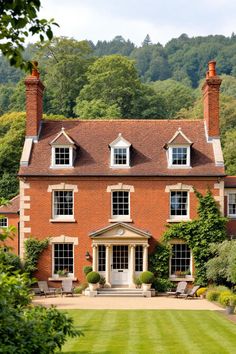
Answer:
[(147, 277), (137, 282), (163, 285), (227, 299), (87, 269), (93, 277), (102, 280), (213, 295), (201, 291), (9, 260), (79, 289)]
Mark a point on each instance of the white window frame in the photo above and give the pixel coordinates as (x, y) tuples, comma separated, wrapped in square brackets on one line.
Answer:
[(180, 217), (62, 217), (70, 275), (120, 217), (53, 159), (3, 218), (228, 195), (127, 157), (170, 156), (172, 276)]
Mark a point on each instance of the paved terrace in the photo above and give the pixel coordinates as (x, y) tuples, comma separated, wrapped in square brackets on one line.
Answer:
[(125, 303)]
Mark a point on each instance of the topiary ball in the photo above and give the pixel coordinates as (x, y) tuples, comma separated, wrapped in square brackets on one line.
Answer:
[(87, 269), (146, 277), (93, 277)]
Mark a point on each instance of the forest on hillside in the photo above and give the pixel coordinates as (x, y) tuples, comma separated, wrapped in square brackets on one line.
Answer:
[(112, 79)]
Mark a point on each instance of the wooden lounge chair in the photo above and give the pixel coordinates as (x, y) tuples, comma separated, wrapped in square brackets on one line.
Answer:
[(191, 293), (45, 290), (67, 287), (181, 289)]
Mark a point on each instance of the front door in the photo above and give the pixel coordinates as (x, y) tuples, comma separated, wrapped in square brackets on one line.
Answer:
[(120, 265)]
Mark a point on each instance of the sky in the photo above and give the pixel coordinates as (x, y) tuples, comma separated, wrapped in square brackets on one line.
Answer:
[(133, 19)]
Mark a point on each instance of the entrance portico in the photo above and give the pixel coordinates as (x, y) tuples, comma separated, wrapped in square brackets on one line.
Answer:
[(120, 253)]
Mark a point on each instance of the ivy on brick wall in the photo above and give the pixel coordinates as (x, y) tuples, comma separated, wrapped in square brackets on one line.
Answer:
[(33, 250), (209, 227)]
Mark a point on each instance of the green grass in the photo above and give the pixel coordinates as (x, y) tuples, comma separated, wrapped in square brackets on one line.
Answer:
[(151, 331)]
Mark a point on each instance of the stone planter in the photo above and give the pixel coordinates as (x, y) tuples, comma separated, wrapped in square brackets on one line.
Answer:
[(229, 310), (146, 287), (93, 287)]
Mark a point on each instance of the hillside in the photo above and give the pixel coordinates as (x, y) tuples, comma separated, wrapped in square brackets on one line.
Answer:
[(117, 79)]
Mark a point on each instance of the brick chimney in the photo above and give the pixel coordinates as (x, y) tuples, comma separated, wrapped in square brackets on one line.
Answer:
[(211, 107), (34, 102)]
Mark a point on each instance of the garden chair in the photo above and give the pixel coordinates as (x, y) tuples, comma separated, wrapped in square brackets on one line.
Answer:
[(191, 293), (67, 287), (181, 289), (43, 286)]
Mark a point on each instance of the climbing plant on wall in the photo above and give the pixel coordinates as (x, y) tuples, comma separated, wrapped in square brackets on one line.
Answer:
[(209, 227), (33, 250)]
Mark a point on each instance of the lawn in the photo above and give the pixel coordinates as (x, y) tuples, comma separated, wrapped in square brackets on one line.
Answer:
[(151, 331)]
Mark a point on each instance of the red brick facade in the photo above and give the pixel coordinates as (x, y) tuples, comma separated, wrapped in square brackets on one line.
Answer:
[(149, 179)]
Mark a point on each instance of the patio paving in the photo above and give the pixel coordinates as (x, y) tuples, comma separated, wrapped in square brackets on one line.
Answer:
[(125, 303)]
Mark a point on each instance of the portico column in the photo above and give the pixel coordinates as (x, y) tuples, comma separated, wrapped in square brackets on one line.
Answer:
[(108, 270), (145, 257), (132, 266), (95, 258)]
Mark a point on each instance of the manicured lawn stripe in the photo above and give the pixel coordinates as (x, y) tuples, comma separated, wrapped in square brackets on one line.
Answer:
[(152, 331)]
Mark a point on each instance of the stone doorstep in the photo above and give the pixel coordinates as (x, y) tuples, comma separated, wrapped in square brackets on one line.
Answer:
[(119, 292)]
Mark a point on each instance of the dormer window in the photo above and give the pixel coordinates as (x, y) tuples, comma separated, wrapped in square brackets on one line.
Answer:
[(178, 151), (63, 156), (180, 156), (120, 153), (63, 151)]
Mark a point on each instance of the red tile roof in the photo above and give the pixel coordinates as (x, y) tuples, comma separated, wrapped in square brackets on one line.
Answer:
[(230, 182), (148, 156), (12, 208)]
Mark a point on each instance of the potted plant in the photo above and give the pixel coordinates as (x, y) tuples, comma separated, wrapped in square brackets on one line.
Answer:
[(102, 281), (229, 301), (188, 273), (62, 273), (146, 279), (93, 279), (137, 282), (201, 293)]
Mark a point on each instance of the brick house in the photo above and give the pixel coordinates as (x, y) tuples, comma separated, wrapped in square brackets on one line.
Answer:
[(105, 190)]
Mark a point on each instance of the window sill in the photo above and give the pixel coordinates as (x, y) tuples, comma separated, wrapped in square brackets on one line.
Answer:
[(178, 220), (120, 220), (181, 279), (61, 167), (62, 220), (119, 166), (232, 217), (180, 166), (61, 278)]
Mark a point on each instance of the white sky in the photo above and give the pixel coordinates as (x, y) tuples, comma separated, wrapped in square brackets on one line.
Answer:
[(133, 19)]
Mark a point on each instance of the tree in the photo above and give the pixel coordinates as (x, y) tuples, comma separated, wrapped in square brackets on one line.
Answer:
[(96, 109), (147, 40), (18, 20), (65, 73), (176, 94), (222, 268), (229, 151), (113, 80)]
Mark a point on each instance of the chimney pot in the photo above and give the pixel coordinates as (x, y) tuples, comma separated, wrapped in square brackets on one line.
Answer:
[(212, 68)]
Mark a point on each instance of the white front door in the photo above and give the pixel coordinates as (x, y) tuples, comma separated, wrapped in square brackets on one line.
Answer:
[(120, 265)]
